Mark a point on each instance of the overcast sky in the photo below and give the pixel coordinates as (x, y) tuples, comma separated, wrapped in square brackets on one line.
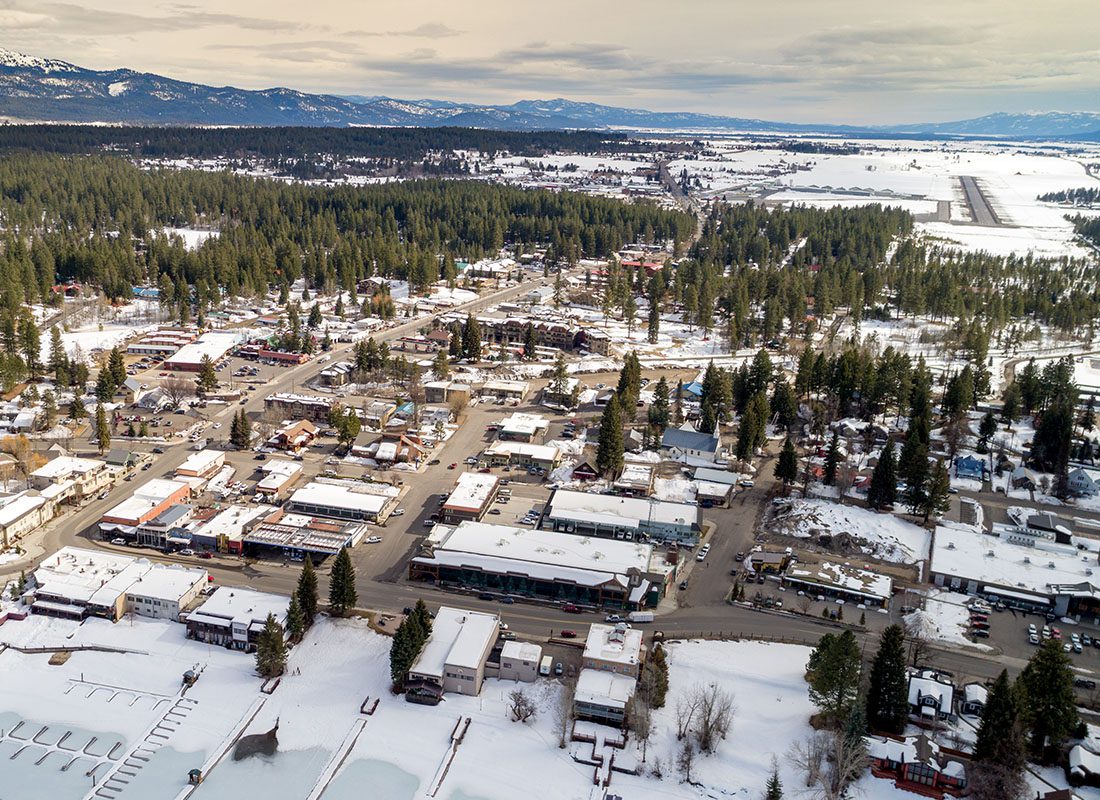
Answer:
[(799, 60)]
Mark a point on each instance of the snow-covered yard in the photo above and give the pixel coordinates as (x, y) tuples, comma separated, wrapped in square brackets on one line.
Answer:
[(884, 536)]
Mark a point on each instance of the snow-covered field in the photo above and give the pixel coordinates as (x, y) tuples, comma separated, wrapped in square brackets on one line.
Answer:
[(880, 535)]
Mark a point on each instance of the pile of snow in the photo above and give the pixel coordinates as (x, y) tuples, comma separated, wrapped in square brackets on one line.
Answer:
[(944, 618), (675, 490), (884, 536)]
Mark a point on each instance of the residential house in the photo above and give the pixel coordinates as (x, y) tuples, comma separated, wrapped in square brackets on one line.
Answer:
[(918, 764), (519, 661), (1084, 482), (293, 436), (76, 478), (974, 696), (613, 648), (931, 696), (234, 617), (969, 467)]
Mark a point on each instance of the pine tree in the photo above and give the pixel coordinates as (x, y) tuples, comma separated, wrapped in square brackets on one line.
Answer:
[(1000, 752), (58, 359), (422, 620), (441, 364), (530, 343), (271, 653), (887, 696), (609, 453), (315, 317), (306, 592), (658, 409), (342, 595), (1010, 404), (783, 404), (884, 481), (833, 673), (208, 377), (1050, 704), (832, 460), (653, 683), (105, 386), (77, 411), (937, 496), (403, 652), (471, 339), (786, 467), (102, 430), (295, 620), (117, 365), (774, 789)]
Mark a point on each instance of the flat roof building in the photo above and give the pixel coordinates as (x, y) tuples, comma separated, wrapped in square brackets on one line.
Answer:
[(234, 617), (203, 464), (519, 661), (347, 500), (454, 657), (279, 476), (302, 536), (544, 565), (841, 581), (522, 454), (614, 517), (602, 697), (520, 427), (147, 502), (471, 498), (613, 648), (213, 345)]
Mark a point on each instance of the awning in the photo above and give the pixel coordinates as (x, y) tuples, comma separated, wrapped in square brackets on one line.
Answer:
[(1027, 598)]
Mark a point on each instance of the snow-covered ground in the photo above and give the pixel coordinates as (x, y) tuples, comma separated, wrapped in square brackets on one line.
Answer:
[(944, 618), (881, 535)]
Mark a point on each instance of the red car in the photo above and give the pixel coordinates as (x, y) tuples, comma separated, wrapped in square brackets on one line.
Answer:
[(206, 554), (451, 466), (568, 634), (569, 608)]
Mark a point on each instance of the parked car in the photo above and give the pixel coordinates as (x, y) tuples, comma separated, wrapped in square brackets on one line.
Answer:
[(397, 512), (485, 596), (187, 551), (206, 554), (1084, 683), (494, 510), (373, 539), (158, 450), (746, 483), (507, 600), (568, 634), (118, 541)]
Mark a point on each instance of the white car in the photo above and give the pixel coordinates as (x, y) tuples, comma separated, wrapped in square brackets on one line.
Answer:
[(397, 512), (217, 425), (746, 483), (373, 539)]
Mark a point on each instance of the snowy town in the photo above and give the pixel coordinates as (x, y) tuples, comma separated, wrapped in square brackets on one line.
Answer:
[(669, 467)]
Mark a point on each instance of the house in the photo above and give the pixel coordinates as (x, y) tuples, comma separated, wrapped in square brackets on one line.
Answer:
[(454, 657), (931, 697), (685, 445), (969, 467), (446, 392), (917, 764), (974, 696), (1024, 478), (279, 476), (519, 661), (233, 617), (1084, 482), (75, 478), (584, 471), (293, 436), (603, 697), (1083, 767), (377, 414)]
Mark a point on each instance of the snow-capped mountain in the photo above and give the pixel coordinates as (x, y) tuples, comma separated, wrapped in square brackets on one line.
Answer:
[(41, 89)]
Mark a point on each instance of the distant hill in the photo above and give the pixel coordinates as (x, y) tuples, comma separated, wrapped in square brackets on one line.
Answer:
[(48, 90)]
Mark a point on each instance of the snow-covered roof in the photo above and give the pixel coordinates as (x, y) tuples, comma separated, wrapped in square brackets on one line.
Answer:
[(146, 498), (521, 651), (64, 466), (975, 693), (460, 638), (167, 582), (232, 521), (829, 574), (472, 491), (97, 578), (15, 510), (1083, 760), (601, 688), (536, 452), (520, 424), (621, 511), (231, 604), (961, 551), (615, 644), (214, 344), (201, 462), (334, 495), (920, 687)]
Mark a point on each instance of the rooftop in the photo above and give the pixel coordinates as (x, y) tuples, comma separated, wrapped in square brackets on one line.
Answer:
[(472, 491), (521, 651), (521, 424), (16, 509), (63, 466), (537, 452), (601, 688), (843, 576), (244, 606), (201, 462), (459, 638), (97, 578), (214, 344), (621, 511), (344, 495), (614, 643)]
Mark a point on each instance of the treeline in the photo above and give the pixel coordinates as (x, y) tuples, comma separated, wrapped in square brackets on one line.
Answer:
[(94, 219), (1087, 228), (403, 144), (1075, 197)]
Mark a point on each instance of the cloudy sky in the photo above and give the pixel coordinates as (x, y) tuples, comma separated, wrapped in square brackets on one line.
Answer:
[(799, 60)]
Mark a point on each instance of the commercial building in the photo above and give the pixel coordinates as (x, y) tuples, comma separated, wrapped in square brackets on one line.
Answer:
[(144, 504), (75, 583), (841, 581), (613, 648), (225, 530), (298, 536), (165, 341), (76, 478), (279, 476), (337, 374), (347, 500), (454, 657), (1027, 571), (299, 406), (544, 565), (446, 392), (204, 464), (521, 427), (213, 346), (615, 517), (235, 617), (715, 487), (505, 390), (519, 661), (520, 454), (22, 513), (471, 498), (635, 480), (166, 529)]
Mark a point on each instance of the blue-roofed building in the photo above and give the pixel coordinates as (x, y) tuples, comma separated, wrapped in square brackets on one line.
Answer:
[(969, 467), (147, 292), (692, 391), (684, 445)]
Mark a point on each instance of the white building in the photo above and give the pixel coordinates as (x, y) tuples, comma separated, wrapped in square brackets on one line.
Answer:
[(454, 658), (613, 648), (77, 478), (614, 517), (471, 498), (235, 617), (213, 345), (163, 592), (22, 513), (602, 697), (279, 476), (203, 464), (519, 661), (349, 500)]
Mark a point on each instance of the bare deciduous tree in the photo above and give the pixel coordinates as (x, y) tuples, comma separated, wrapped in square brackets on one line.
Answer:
[(829, 762), (804, 603), (521, 706), (686, 706), (685, 760), (177, 389), (714, 717), (641, 722), (563, 712)]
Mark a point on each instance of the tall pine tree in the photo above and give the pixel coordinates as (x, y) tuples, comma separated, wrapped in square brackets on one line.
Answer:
[(306, 592), (888, 694), (609, 453), (342, 595)]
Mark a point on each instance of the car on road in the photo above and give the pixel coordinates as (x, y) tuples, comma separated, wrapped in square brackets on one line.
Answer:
[(145, 467), (614, 618), (397, 512), (373, 539), (485, 596), (746, 483), (571, 608), (206, 554), (683, 584), (119, 541), (470, 460), (433, 462), (243, 401), (1084, 683), (568, 634), (451, 466), (187, 551), (104, 494), (507, 600), (506, 636), (158, 450), (494, 510)]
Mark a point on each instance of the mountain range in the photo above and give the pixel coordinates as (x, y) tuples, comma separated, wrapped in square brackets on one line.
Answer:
[(47, 90)]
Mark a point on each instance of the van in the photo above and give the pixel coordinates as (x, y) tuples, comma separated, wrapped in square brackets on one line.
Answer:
[(546, 665), (640, 616)]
